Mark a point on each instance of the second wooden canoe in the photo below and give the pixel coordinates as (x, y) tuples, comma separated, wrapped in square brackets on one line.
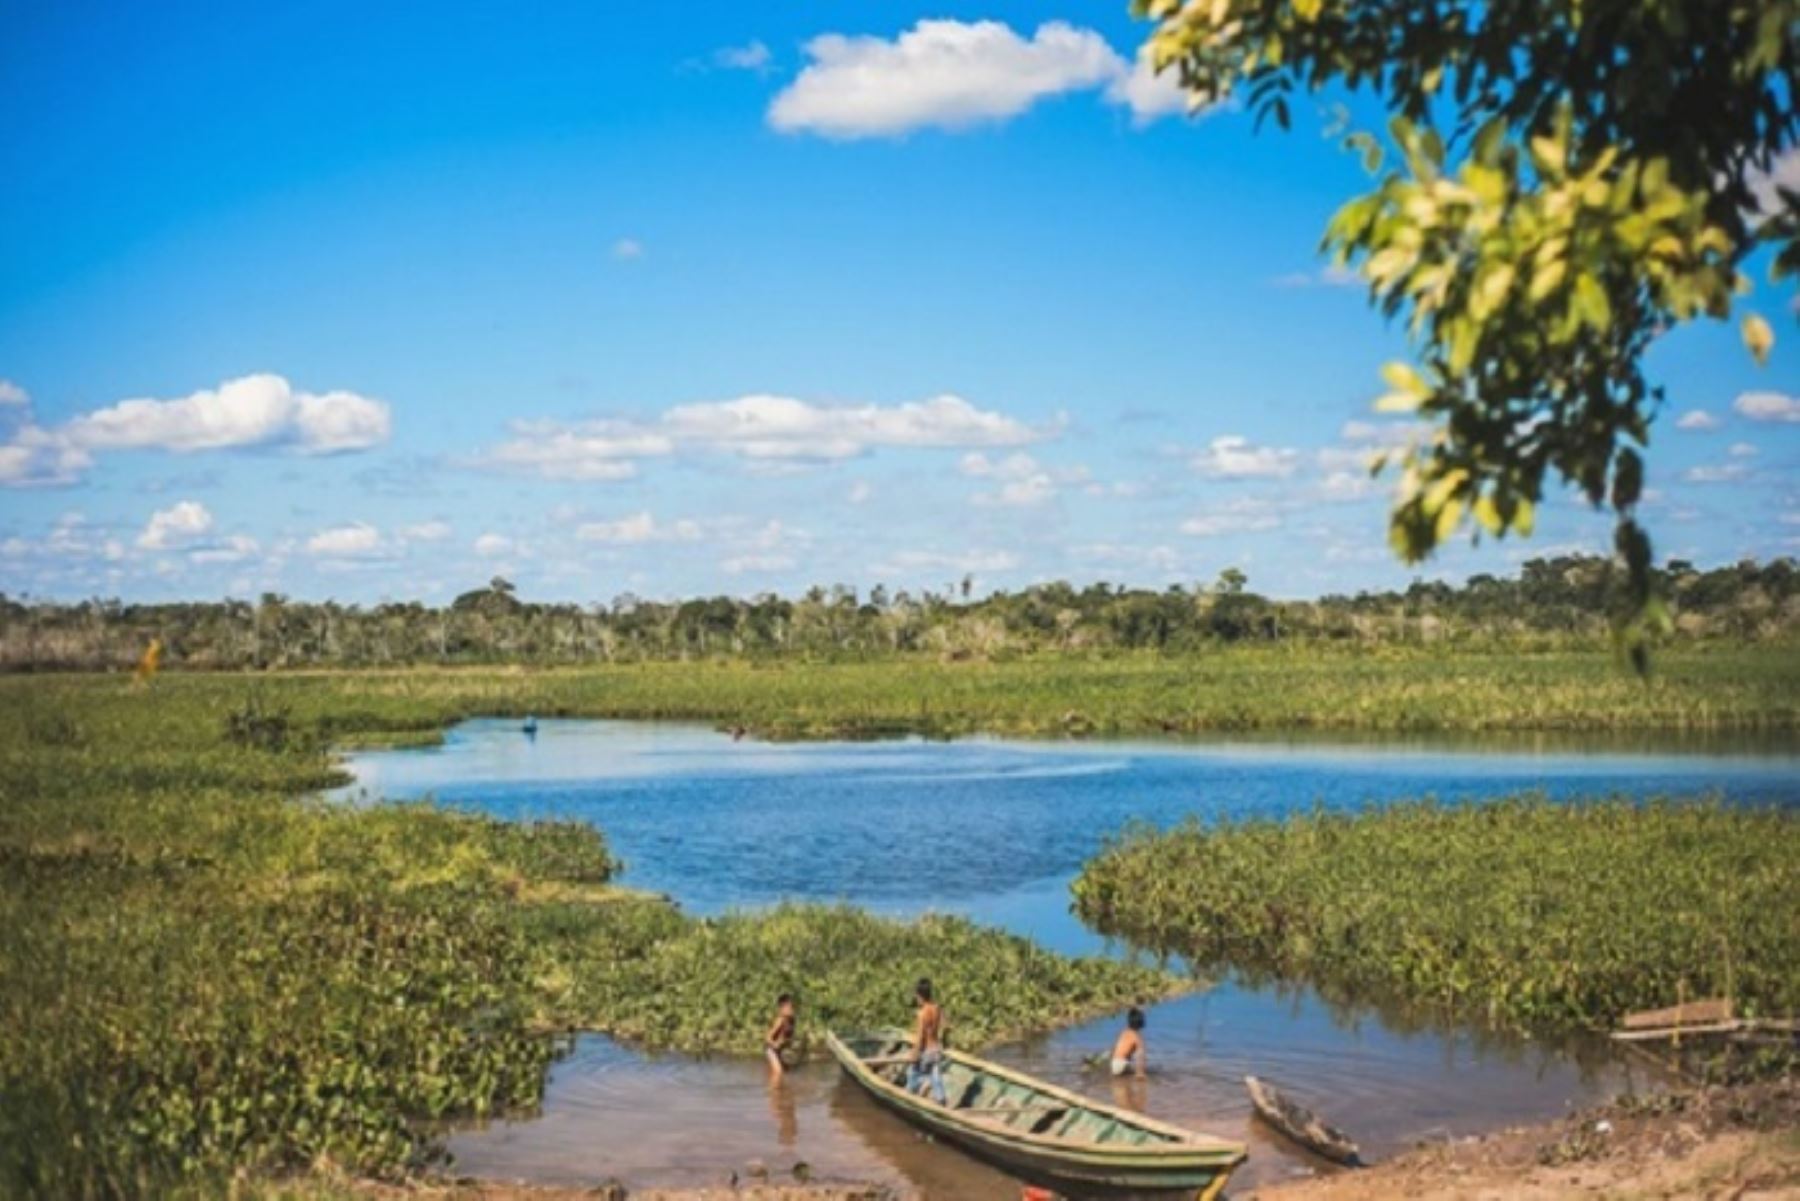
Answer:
[(1301, 1124)]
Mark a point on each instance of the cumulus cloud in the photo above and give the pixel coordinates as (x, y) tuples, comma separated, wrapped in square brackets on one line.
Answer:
[(776, 433), (1022, 481), (781, 427), (1742, 450), (860, 492), (1697, 420), (492, 546), (591, 451), (1768, 406), (952, 74), (254, 410), (1233, 457), (426, 531), (1147, 92), (627, 249), (357, 540), (12, 396), (639, 528), (71, 538), (177, 526), (32, 456)]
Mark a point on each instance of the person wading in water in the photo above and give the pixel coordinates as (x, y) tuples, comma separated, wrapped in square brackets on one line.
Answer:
[(779, 1041), (928, 1046)]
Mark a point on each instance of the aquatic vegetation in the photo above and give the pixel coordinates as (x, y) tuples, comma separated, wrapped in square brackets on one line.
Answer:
[(709, 984), (208, 972), (1525, 913)]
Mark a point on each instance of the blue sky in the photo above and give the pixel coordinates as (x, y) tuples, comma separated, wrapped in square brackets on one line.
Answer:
[(356, 301)]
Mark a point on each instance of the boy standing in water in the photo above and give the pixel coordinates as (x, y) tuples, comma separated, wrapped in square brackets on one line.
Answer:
[(1128, 1051), (780, 1037), (928, 1046)]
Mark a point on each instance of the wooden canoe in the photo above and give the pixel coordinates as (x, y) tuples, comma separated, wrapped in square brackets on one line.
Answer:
[(1301, 1124), (1036, 1130)]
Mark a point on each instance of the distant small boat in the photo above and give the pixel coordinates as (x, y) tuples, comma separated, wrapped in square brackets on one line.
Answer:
[(1301, 1124), (530, 726), (1037, 1130)]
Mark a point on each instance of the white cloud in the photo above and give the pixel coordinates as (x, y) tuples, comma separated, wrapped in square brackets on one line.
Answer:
[(1147, 92), (639, 528), (781, 427), (339, 421), (426, 531), (492, 546), (235, 549), (1697, 419), (778, 432), (944, 73), (35, 457), (1239, 517), (11, 395), (1234, 457), (1768, 406), (357, 540), (253, 410), (1722, 473), (860, 492), (753, 56), (71, 538), (177, 526), (627, 249), (1347, 485), (1024, 482), (592, 451), (1741, 450)]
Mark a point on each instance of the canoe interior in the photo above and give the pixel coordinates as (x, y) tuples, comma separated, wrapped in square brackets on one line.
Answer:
[(1013, 1105), (1300, 1123)]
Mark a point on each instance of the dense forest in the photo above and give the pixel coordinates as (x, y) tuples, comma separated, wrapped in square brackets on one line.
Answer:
[(1553, 602)]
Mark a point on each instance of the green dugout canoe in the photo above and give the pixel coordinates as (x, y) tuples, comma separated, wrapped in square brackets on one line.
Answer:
[(1038, 1131)]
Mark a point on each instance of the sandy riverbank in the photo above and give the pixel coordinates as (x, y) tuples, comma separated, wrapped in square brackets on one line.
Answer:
[(1736, 1143)]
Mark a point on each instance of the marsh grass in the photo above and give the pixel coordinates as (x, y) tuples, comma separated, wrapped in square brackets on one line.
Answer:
[(1525, 913)]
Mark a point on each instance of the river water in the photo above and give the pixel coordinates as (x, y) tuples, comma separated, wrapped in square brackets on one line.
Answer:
[(996, 829)]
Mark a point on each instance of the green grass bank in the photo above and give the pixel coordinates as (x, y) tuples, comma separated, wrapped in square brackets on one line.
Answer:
[(1278, 688), (1524, 913)]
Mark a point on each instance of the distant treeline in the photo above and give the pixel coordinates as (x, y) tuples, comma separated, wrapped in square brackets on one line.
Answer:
[(1560, 601)]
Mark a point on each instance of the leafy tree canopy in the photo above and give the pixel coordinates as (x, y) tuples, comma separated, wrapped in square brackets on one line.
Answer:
[(1562, 182)]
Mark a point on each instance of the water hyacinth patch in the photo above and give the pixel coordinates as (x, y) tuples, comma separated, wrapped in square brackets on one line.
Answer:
[(1524, 913)]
